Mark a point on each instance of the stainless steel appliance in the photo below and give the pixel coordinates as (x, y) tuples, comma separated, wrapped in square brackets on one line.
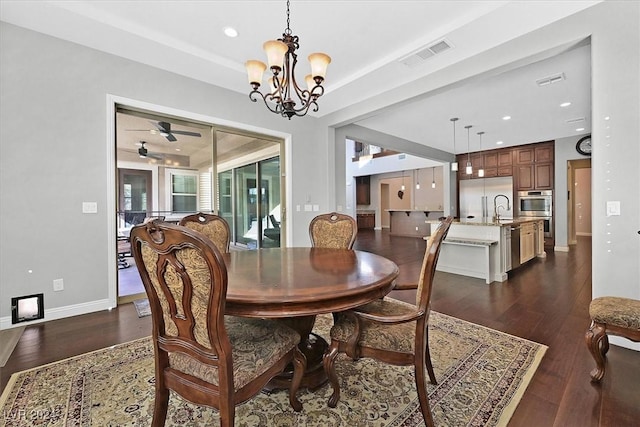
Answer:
[(515, 246), (537, 204)]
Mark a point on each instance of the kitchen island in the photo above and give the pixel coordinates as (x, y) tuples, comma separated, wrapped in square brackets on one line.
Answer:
[(483, 248)]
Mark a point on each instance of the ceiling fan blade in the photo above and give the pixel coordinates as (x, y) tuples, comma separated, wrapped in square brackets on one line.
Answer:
[(184, 132)]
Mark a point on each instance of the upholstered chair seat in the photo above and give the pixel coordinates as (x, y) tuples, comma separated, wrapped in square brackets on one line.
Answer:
[(396, 338), (256, 344), (610, 316), (616, 311)]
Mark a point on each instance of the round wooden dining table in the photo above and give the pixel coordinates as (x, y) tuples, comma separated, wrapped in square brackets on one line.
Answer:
[(296, 284)]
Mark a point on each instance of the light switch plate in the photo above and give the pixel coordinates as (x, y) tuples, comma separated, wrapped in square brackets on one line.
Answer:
[(613, 208), (89, 207)]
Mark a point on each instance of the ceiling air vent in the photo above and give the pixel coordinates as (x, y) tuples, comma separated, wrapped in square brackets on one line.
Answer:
[(424, 53), (555, 78), (576, 120)]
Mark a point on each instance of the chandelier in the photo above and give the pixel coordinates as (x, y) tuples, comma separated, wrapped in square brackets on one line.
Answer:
[(286, 97)]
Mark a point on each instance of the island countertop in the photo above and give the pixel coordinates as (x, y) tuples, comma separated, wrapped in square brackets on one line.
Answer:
[(488, 221)]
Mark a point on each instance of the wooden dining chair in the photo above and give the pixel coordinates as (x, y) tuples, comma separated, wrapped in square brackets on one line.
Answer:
[(205, 356), (213, 226), (391, 331), (333, 230)]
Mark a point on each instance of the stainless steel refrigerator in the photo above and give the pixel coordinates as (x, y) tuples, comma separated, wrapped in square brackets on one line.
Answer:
[(477, 197)]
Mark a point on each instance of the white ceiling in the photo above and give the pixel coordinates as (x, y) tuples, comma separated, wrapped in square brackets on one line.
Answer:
[(367, 41)]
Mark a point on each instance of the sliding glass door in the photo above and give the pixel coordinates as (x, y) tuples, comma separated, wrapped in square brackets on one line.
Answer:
[(254, 209)]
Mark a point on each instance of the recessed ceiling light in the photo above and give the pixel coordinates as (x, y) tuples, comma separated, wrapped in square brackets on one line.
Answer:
[(499, 142), (230, 32), (177, 149), (565, 104), (606, 118), (579, 129), (506, 118)]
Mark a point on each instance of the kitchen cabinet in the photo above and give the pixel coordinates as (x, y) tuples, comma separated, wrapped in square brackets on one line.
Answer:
[(498, 163), (533, 169), (534, 177), (539, 238), (527, 242), (366, 220), (494, 162), (363, 190)]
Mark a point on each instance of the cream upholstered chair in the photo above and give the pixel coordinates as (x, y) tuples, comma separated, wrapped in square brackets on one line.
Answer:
[(203, 355), (212, 226), (391, 331), (610, 316), (333, 230)]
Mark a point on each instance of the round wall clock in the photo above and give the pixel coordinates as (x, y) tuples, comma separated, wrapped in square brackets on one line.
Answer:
[(584, 145)]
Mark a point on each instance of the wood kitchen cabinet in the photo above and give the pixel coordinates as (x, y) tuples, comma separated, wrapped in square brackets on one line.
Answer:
[(498, 163), (527, 242), (533, 169), (363, 190), (494, 162), (534, 177), (366, 220)]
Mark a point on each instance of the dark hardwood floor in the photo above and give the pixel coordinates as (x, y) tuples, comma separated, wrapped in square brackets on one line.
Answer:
[(545, 301)]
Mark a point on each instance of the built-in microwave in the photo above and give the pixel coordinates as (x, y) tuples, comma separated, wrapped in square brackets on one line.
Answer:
[(535, 203)]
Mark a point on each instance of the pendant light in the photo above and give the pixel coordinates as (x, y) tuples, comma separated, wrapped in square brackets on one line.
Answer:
[(402, 186), (481, 170), (433, 177), (469, 169), (454, 165), (417, 179)]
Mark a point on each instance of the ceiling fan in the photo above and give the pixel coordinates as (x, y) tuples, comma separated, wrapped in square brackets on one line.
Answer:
[(144, 153), (164, 129)]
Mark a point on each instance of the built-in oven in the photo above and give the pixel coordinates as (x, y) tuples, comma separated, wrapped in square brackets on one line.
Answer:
[(537, 204)]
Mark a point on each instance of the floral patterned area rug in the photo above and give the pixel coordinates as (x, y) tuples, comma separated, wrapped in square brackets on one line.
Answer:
[(482, 374)]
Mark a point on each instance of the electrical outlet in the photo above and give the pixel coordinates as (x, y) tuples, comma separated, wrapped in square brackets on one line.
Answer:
[(58, 285)]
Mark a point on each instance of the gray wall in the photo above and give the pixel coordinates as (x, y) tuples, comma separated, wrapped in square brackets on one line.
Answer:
[(54, 156)]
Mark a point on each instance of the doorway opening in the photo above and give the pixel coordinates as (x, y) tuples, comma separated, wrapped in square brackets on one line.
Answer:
[(168, 167), (579, 203)]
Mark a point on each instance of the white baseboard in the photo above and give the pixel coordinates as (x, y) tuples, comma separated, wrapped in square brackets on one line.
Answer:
[(60, 313), (623, 342), (377, 228), (561, 248)]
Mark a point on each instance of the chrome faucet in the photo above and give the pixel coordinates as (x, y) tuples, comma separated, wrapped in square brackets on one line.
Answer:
[(496, 216)]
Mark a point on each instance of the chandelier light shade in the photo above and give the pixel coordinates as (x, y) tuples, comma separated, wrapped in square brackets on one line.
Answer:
[(417, 179), (286, 97), (402, 186), (469, 169), (454, 165), (433, 177), (481, 170)]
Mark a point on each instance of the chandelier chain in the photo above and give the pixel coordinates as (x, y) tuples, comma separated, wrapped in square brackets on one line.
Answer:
[(288, 30)]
